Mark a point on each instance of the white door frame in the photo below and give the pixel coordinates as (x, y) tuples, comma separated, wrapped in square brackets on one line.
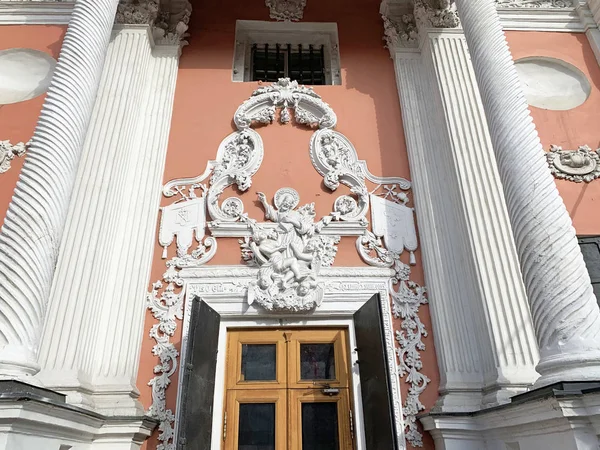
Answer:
[(224, 288)]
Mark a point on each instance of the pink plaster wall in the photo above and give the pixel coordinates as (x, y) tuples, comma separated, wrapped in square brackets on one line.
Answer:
[(18, 120), (569, 129)]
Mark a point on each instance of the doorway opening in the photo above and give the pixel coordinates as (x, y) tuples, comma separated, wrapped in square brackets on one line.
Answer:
[(288, 388)]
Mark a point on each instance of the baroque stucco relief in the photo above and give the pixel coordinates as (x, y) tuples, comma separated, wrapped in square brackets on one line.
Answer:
[(287, 253)]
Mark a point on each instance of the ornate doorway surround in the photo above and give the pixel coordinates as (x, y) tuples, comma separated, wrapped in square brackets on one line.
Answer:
[(288, 273)]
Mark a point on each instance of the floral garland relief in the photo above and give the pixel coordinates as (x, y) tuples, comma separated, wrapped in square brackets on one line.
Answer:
[(334, 157)]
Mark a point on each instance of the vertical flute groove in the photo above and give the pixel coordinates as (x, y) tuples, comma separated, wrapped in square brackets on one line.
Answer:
[(33, 227), (560, 295)]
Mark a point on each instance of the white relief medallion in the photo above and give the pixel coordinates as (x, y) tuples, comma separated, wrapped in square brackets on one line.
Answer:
[(289, 256), (581, 165)]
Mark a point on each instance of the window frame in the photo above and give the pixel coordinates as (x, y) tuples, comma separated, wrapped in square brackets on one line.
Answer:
[(249, 32)]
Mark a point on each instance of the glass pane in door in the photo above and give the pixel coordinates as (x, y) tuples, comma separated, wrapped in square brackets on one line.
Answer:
[(259, 362), (320, 426), (317, 362), (257, 426)]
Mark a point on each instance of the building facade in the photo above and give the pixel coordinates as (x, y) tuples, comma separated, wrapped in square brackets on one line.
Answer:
[(299, 224)]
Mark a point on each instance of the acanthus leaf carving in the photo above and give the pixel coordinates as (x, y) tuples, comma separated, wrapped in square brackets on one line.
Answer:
[(400, 31), (286, 10), (436, 13), (137, 12), (581, 165), (336, 160), (8, 152), (407, 297), (168, 27), (289, 256), (166, 306)]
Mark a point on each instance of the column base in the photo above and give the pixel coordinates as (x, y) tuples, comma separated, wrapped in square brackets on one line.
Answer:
[(563, 415), (568, 366), (18, 363), (33, 417), (114, 397)]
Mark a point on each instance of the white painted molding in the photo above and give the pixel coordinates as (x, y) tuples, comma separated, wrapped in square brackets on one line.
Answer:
[(462, 342), (97, 300), (567, 420), (32, 424), (564, 309), (541, 19), (348, 288), (34, 224), (35, 12), (590, 14)]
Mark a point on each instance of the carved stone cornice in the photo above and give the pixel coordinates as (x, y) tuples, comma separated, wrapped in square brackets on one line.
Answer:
[(436, 14), (550, 4)]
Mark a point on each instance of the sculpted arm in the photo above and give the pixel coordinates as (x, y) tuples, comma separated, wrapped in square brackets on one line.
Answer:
[(270, 212)]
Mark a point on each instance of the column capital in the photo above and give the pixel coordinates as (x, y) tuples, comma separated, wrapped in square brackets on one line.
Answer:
[(435, 14), (405, 25), (168, 20), (400, 31)]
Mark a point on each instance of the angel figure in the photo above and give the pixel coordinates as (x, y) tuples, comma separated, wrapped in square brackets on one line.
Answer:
[(291, 222)]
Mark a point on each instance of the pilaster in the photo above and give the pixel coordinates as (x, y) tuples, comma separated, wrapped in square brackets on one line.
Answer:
[(483, 319), (501, 293), (457, 326), (92, 338)]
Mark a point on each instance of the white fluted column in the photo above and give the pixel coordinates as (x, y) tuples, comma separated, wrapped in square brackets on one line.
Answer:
[(32, 230), (92, 338), (501, 294), (458, 326), (563, 307)]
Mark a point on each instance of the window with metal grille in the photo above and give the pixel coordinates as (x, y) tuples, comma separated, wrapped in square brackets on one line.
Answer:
[(303, 63)]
